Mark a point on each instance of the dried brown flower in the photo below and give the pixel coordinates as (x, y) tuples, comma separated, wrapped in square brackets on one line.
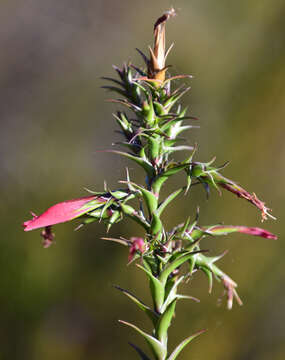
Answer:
[(158, 55)]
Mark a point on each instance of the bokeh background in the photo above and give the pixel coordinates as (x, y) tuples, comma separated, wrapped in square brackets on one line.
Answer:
[(59, 303)]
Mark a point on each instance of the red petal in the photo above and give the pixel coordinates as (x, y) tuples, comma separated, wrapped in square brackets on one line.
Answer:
[(58, 213)]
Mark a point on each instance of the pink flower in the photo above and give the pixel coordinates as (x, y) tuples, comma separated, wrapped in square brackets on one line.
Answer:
[(257, 232), (61, 212), (226, 229), (137, 244)]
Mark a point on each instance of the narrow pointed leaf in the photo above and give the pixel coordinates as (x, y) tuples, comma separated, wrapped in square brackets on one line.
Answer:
[(192, 263), (173, 265), (209, 275), (156, 287), (172, 293), (113, 219), (185, 226), (167, 201), (132, 214), (151, 314), (143, 163), (161, 178), (181, 346), (164, 322), (187, 297), (119, 241), (156, 224), (168, 104), (108, 204), (156, 346), (149, 197)]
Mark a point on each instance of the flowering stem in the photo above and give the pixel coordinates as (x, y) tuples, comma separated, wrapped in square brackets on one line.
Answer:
[(151, 130)]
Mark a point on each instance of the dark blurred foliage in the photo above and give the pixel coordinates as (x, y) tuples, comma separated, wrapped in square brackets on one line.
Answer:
[(59, 303)]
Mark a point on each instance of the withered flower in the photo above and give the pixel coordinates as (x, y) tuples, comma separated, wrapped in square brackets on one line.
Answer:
[(158, 55), (47, 236), (230, 288)]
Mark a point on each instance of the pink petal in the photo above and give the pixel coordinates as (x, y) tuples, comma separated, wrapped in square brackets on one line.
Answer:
[(138, 244), (59, 213), (245, 230), (257, 232)]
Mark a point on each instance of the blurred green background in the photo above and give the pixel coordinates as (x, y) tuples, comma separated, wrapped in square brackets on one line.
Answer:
[(59, 303)]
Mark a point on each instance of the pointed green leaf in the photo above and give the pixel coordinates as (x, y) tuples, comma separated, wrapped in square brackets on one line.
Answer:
[(156, 346), (176, 77), (173, 99), (154, 147), (149, 263), (159, 109), (192, 263), (164, 322), (161, 178), (202, 260), (105, 207), (181, 346), (187, 297), (148, 112), (209, 275), (156, 224), (143, 163), (193, 245), (173, 265), (167, 201), (156, 287), (174, 120), (132, 214), (185, 226), (124, 242), (151, 314), (113, 219), (124, 124), (85, 221), (149, 197), (119, 194), (172, 293), (195, 234)]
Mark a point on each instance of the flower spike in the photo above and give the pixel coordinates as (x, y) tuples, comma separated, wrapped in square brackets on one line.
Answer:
[(152, 130)]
